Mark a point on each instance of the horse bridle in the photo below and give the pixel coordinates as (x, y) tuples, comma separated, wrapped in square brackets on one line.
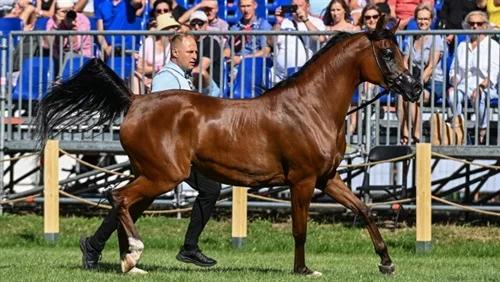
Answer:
[(390, 82)]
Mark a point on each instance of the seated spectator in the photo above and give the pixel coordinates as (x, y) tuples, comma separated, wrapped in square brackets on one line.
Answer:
[(287, 46), (337, 17), (45, 8), (22, 9), (65, 18), (154, 53), (452, 15), (159, 7), (369, 17), (248, 46), (474, 72), (493, 9), (119, 15), (210, 50), (404, 9), (423, 58)]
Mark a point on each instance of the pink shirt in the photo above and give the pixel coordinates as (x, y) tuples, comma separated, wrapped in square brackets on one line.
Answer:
[(405, 9), (80, 44)]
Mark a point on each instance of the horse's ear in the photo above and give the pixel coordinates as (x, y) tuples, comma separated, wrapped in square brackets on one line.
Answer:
[(380, 23), (395, 27)]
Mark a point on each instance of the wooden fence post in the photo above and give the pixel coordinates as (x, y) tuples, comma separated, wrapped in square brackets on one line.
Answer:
[(239, 216), (424, 204), (51, 190)]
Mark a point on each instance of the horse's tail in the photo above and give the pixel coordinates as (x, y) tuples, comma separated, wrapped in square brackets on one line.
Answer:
[(94, 93)]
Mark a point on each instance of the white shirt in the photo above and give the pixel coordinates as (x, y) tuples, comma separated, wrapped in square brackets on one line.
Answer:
[(290, 50), (476, 73)]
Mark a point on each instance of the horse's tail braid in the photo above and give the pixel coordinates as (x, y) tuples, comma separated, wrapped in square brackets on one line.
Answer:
[(93, 96)]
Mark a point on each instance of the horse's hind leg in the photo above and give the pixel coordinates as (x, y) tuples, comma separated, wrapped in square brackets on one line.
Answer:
[(139, 192), (337, 189)]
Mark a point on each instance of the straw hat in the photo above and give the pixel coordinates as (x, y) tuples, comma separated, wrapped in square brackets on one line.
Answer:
[(166, 20)]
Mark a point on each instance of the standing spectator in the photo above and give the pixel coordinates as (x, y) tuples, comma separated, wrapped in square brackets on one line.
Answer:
[(119, 15), (452, 15), (474, 72), (210, 62), (337, 16), (154, 52), (65, 18), (425, 54), (291, 51), (404, 9), (492, 8), (244, 45)]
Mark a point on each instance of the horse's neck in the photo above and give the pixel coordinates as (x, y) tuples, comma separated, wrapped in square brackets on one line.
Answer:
[(338, 82)]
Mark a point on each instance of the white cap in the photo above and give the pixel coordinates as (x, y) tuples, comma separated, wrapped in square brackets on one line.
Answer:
[(198, 15)]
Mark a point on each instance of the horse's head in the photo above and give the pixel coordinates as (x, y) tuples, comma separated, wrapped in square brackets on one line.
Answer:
[(389, 69)]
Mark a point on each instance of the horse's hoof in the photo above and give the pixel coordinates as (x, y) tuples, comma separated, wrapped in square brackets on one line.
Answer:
[(387, 269), (136, 270), (314, 274), (307, 272), (128, 263)]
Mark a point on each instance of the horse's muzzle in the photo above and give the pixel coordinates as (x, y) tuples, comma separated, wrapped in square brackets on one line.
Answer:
[(408, 87)]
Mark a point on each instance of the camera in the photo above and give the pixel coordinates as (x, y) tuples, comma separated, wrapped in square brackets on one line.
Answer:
[(288, 9)]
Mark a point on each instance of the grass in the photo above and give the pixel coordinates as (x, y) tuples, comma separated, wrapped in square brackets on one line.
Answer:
[(460, 253)]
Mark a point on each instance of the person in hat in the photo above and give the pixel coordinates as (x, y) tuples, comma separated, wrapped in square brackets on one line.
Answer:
[(211, 8), (153, 53), (65, 18), (210, 62)]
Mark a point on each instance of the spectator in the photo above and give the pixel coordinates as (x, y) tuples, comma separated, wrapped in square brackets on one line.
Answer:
[(474, 72), (159, 7), (211, 8), (154, 53), (22, 9), (452, 15), (177, 10), (404, 9), (244, 45), (211, 61), (289, 51), (369, 17), (65, 18), (337, 16), (119, 15), (493, 9), (356, 6), (424, 54)]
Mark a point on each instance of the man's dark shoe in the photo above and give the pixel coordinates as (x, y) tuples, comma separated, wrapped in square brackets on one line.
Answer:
[(196, 257), (90, 257)]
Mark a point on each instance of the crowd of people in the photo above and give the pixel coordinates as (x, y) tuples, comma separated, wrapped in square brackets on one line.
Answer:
[(471, 77)]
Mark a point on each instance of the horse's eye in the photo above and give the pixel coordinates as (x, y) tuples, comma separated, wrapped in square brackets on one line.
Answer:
[(387, 54)]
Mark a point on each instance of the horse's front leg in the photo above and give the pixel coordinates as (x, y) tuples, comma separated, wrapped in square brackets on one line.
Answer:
[(301, 198), (337, 189)]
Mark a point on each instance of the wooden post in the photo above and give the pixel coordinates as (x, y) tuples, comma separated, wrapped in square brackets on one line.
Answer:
[(51, 190), (424, 206), (239, 220)]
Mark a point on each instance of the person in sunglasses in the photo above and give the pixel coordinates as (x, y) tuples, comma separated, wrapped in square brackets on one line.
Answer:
[(474, 72), (369, 17)]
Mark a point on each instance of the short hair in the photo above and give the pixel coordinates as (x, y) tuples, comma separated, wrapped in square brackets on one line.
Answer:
[(424, 7), (179, 38), (465, 24), (327, 17)]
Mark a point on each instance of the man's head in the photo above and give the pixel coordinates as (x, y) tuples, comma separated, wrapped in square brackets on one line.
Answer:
[(302, 4), (247, 8), (211, 10), (184, 51), (198, 20), (476, 20)]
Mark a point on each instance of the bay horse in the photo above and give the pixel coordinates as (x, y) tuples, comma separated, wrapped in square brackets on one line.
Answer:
[(291, 135)]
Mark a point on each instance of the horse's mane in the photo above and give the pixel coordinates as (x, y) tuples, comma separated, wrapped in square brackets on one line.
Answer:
[(336, 39)]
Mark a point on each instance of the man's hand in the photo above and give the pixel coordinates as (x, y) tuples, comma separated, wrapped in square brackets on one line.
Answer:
[(302, 15), (205, 78), (278, 14)]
